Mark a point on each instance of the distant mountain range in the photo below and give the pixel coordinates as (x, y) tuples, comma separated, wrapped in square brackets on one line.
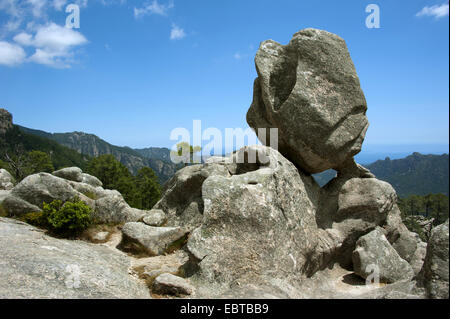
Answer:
[(415, 174), (156, 158)]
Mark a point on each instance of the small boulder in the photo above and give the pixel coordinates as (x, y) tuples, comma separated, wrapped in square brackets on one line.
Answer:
[(168, 284), (140, 238), (373, 250), (70, 173), (14, 206), (114, 209), (155, 217), (436, 269), (6, 180)]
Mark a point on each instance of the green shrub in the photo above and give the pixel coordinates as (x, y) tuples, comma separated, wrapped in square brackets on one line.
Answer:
[(68, 219)]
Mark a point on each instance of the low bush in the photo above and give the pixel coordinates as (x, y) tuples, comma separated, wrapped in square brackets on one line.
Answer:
[(63, 219)]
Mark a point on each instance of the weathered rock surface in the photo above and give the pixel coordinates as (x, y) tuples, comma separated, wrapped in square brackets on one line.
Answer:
[(436, 269), (310, 91), (373, 250), (168, 284), (141, 238), (70, 173), (258, 224), (91, 180), (108, 205), (155, 217), (38, 266), (114, 209), (353, 207), (404, 241), (5, 121), (6, 180), (17, 207), (44, 187), (182, 200)]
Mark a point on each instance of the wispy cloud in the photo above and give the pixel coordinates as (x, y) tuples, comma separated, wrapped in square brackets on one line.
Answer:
[(176, 33), (436, 11), (11, 54), (153, 8)]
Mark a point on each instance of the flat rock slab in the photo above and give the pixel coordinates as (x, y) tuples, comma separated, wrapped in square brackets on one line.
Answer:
[(139, 238), (168, 284), (35, 265)]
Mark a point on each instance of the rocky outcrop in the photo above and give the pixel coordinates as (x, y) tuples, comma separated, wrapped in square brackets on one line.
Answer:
[(310, 91), (374, 254), (30, 194), (91, 180), (5, 121), (70, 173), (38, 266), (435, 270), (6, 180)]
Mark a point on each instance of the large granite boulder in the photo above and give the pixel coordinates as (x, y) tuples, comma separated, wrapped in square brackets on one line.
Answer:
[(35, 265), (6, 180), (310, 91), (435, 270), (258, 225), (373, 250), (44, 187)]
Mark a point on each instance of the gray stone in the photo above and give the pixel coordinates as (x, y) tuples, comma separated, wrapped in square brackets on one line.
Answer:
[(168, 284), (436, 269), (182, 198), (91, 180), (43, 187), (70, 173), (38, 266), (404, 241), (155, 217), (310, 91), (6, 180), (374, 249), (114, 209), (140, 238), (17, 207), (418, 258), (101, 236), (353, 207)]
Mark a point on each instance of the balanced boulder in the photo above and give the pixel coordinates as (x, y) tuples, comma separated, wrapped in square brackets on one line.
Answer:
[(310, 91)]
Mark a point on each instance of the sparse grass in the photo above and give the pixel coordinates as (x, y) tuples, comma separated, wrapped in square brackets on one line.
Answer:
[(89, 234), (177, 244)]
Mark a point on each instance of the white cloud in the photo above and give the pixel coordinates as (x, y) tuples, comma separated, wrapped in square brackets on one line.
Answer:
[(176, 33), (59, 4), (436, 11), (11, 54), (53, 44), (153, 8), (237, 56)]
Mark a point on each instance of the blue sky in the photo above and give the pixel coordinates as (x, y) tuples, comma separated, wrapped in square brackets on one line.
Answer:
[(135, 70)]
